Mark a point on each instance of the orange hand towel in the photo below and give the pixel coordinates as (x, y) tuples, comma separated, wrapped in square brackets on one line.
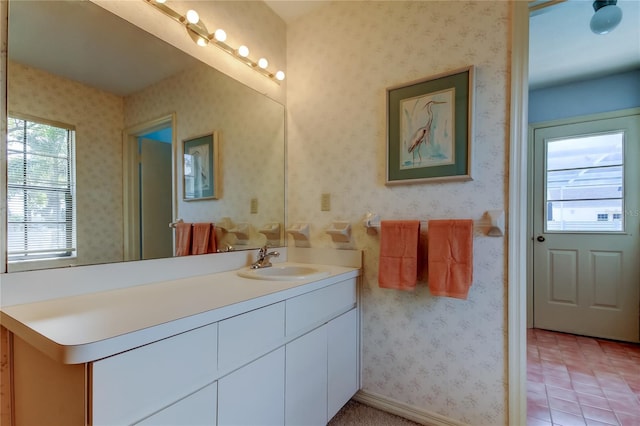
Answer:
[(183, 239), (398, 265), (213, 245), (201, 238), (450, 257)]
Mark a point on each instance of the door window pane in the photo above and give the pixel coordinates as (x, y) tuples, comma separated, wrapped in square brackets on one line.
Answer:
[(584, 183)]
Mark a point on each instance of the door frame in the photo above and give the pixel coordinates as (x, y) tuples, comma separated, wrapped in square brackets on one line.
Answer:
[(517, 216), (130, 182), (530, 166)]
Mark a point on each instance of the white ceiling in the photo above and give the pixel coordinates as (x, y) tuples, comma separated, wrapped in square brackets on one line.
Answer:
[(562, 47), (83, 42), (290, 10)]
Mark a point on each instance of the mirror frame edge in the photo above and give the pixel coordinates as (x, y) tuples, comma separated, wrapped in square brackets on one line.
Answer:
[(4, 21)]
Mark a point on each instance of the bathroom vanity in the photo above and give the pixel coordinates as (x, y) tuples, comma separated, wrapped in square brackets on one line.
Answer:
[(204, 350)]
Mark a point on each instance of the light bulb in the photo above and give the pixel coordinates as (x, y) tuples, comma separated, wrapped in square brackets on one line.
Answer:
[(606, 18), (263, 63), (202, 42), (220, 35), (161, 1), (280, 75), (193, 17), (243, 51)]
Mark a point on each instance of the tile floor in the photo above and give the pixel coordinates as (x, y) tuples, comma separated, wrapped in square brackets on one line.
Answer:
[(575, 380)]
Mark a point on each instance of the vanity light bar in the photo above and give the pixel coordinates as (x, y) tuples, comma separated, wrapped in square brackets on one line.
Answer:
[(199, 33)]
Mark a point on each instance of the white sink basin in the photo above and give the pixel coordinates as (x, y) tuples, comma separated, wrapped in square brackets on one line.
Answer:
[(283, 273)]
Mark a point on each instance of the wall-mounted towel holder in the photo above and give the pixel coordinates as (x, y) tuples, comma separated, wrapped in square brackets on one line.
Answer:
[(340, 232), (272, 232), (223, 225), (492, 223), (173, 224), (300, 234), (242, 230)]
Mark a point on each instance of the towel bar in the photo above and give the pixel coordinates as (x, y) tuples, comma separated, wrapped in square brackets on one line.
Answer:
[(492, 222)]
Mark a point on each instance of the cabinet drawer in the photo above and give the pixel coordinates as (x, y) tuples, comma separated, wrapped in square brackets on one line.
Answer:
[(250, 335), (128, 387), (198, 409), (314, 307)]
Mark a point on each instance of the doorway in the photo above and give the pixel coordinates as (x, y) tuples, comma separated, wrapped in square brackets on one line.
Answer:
[(149, 195), (520, 235)]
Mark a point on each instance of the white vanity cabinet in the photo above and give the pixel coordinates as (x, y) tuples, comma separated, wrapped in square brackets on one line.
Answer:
[(322, 371), (306, 379), (343, 367), (288, 361), (132, 385), (195, 410), (254, 394), (322, 366), (119, 390)]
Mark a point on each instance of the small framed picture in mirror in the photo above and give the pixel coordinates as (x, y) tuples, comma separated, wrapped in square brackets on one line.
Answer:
[(201, 168)]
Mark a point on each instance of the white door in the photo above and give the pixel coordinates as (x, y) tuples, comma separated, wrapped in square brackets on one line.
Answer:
[(585, 212), (155, 195)]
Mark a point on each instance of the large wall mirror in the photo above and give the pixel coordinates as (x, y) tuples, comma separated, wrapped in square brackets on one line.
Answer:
[(98, 114)]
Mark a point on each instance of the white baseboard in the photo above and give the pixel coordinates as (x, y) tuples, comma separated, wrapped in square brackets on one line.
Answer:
[(404, 410)]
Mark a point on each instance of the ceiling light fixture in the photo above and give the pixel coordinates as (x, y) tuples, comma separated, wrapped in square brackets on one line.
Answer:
[(192, 16), (607, 16), (220, 35), (200, 35), (243, 51)]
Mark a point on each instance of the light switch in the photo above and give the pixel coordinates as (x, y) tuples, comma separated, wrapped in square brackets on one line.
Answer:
[(254, 205), (325, 202)]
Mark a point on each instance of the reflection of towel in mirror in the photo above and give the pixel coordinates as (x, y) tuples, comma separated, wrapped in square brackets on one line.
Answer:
[(183, 239), (213, 246), (450, 257), (203, 234), (398, 265)]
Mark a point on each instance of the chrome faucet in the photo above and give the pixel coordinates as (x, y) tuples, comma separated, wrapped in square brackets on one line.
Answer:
[(264, 258)]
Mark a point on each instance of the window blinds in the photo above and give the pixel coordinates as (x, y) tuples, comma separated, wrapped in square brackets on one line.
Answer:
[(41, 190)]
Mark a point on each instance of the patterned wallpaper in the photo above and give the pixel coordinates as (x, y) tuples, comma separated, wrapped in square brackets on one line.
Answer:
[(441, 355), (251, 129), (98, 118)]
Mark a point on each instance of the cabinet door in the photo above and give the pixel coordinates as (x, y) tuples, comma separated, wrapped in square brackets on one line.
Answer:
[(198, 409), (343, 360), (254, 394), (130, 386), (306, 379)]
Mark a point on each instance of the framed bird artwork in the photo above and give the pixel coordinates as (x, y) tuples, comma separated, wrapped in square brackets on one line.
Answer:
[(429, 129), (200, 168)]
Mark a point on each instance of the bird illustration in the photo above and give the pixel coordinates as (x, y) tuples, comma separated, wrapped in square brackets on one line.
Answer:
[(423, 134)]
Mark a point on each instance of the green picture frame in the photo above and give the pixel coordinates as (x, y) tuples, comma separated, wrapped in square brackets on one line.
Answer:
[(200, 168), (430, 129)]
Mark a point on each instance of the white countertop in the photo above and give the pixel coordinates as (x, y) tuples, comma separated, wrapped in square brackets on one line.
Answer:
[(88, 327)]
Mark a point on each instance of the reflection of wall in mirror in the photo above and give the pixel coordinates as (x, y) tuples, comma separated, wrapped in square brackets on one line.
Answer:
[(98, 117), (251, 130)]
